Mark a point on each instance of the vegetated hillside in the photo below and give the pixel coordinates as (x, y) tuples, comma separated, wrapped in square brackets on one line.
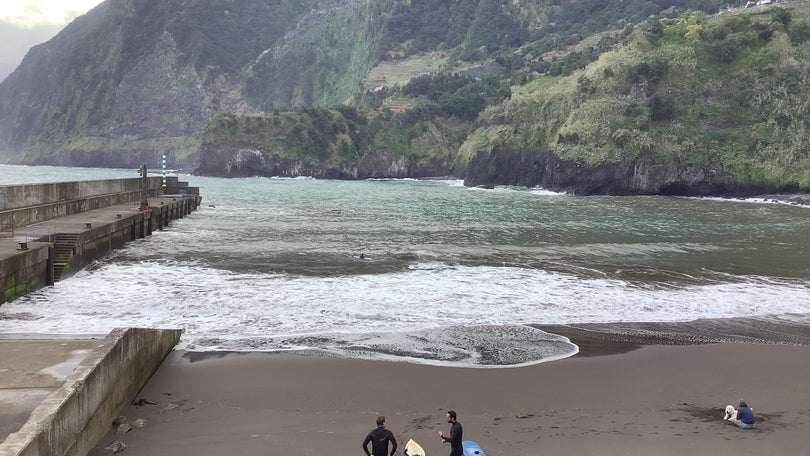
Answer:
[(313, 142), (134, 79), (691, 105)]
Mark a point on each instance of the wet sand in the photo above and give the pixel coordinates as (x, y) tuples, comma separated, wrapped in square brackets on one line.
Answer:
[(633, 398)]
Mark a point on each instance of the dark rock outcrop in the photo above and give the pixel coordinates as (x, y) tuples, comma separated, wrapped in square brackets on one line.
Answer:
[(643, 176), (245, 160)]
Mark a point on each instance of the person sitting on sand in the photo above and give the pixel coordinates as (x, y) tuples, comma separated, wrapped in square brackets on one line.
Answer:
[(745, 417), (379, 438)]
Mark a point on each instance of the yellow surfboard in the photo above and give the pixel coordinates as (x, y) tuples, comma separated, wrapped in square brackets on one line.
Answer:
[(414, 449)]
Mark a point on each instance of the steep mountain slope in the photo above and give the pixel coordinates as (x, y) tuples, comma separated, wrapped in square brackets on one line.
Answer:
[(559, 93), (134, 78)]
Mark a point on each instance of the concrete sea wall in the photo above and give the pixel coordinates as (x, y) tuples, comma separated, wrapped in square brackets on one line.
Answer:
[(49, 231), (22, 205), (71, 420), (29, 270)]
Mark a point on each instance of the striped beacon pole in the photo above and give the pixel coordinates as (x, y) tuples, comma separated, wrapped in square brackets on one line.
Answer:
[(163, 158)]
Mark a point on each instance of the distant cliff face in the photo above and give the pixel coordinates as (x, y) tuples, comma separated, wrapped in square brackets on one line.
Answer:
[(134, 79), (520, 92)]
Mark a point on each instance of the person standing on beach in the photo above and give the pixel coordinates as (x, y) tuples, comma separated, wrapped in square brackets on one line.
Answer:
[(455, 435), (379, 438), (745, 417)]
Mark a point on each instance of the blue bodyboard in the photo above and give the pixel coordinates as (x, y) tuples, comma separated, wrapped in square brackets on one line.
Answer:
[(472, 448)]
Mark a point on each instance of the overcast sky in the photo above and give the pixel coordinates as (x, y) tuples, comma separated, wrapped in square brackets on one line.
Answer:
[(25, 23)]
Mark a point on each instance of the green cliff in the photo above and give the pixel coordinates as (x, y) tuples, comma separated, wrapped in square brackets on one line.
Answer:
[(693, 104)]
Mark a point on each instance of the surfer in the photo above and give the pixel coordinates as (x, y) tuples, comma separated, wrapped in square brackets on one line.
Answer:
[(455, 435), (379, 438)]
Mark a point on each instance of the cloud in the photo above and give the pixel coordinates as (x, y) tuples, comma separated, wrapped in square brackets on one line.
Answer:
[(32, 13), (24, 23), (15, 42)]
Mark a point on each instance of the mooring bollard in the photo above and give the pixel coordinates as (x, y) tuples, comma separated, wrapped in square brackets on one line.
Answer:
[(88, 225)]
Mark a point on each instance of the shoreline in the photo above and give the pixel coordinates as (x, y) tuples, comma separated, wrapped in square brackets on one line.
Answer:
[(600, 339)]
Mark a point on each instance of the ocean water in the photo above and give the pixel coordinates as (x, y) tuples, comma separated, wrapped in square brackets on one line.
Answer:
[(453, 276)]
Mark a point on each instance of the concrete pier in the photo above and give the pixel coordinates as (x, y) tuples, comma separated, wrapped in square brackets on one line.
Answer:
[(49, 231)]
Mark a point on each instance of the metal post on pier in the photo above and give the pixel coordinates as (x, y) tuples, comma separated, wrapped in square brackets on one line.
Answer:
[(164, 171), (144, 189)]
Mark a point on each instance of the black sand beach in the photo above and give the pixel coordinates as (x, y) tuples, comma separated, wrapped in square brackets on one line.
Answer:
[(631, 390)]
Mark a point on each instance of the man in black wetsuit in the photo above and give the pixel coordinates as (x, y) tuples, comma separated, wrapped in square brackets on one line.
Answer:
[(455, 435), (379, 438)]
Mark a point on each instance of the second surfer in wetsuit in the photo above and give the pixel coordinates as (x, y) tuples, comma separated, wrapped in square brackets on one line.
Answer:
[(455, 435), (379, 438)]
